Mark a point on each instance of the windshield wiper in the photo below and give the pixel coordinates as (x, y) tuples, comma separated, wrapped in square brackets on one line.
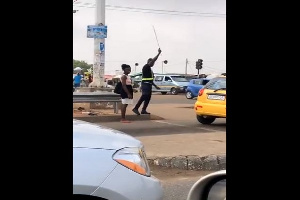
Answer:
[(220, 89)]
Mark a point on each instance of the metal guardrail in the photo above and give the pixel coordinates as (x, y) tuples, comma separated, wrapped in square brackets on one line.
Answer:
[(94, 97), (93, 89)]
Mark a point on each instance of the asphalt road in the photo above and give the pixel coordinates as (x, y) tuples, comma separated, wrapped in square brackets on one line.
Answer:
[(158, 98), (166, 127), (188, 124), (177, 183)]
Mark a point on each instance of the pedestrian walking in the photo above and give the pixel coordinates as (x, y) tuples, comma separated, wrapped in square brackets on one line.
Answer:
[(126, 91)]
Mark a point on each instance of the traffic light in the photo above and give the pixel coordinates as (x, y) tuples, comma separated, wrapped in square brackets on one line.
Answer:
[(199, 64)]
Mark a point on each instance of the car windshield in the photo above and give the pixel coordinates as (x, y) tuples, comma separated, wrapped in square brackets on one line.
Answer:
[(217, 84), (205, 81), (179, 79), (201, 82), (198, 82)]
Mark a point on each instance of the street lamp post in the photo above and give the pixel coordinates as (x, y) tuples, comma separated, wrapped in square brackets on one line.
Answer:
[(162, 65), (135, 65)]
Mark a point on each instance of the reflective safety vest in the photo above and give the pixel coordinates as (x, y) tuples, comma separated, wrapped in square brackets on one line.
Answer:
[(147, 79)]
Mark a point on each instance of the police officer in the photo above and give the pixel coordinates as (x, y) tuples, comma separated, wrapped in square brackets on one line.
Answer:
[(147, 82)]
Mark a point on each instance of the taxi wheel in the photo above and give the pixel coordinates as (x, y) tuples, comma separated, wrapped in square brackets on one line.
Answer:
[(205, 120), (174, 91)]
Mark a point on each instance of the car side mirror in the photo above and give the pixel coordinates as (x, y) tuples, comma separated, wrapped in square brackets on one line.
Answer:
[(218, 190), (211, 186)]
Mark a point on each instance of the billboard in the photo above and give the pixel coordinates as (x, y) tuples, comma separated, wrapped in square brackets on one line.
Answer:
[(94, 31)]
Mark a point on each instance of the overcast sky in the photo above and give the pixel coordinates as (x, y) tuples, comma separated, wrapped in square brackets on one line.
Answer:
[(196, 31)]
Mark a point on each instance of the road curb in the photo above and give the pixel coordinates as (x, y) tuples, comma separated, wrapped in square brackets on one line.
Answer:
[(116, 118), (191, 162)]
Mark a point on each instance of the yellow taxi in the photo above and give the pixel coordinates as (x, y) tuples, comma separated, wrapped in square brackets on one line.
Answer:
[(211, 101)]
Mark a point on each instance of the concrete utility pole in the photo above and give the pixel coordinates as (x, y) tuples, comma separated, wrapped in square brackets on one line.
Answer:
[(186, 63), (99, 56)]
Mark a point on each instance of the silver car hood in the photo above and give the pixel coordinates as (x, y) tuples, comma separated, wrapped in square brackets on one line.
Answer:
[(88, 135)]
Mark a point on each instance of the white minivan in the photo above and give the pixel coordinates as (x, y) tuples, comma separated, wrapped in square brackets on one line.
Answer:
[(173, 83)]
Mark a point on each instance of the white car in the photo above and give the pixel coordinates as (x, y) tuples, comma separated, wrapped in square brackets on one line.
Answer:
[(111, 164)]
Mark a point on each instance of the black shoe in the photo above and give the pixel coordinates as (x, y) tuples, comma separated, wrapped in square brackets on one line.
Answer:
[(145, 112), (136, 111)]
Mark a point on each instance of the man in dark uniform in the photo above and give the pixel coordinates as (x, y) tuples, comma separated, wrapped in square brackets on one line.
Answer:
[(147, 82)]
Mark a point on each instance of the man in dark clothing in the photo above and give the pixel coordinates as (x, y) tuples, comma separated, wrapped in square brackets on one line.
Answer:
[(147, 82)]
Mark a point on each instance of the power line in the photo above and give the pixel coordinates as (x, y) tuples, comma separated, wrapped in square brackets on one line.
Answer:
[(212, 70), (173, 64), (147, 9), (165, 10), (121, 61), (190, 67), (207, 68), (212, 61), (208, 61), (215, 61), (155, 11), (211, 67)]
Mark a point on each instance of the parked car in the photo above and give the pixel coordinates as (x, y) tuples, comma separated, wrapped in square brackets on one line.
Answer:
[(190, 77), (172, 83), (136, 79), (211, 101), (194, 86), (110, 164), (209, 187)]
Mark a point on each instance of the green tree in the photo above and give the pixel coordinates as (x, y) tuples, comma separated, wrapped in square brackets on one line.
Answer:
[(82, 64)]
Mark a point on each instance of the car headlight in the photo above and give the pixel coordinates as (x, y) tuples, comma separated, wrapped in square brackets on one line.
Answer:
[(134, 159)]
